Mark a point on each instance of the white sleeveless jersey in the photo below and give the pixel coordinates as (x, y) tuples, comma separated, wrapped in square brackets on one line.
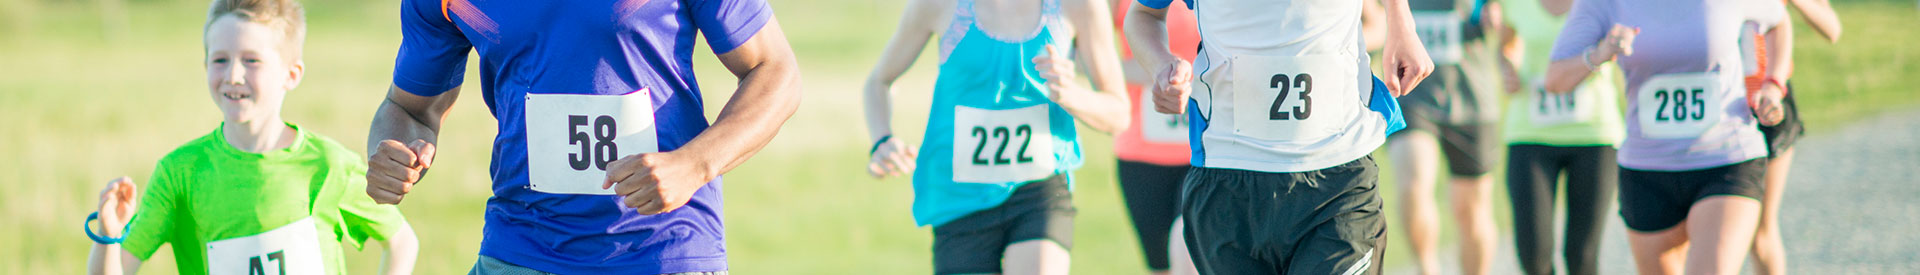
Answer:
[(1250, 96)]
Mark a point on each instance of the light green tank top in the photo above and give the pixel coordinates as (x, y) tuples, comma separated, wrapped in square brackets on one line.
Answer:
[(1588, 117)]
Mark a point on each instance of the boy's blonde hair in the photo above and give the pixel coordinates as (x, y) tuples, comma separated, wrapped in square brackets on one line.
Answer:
[(286, 15)]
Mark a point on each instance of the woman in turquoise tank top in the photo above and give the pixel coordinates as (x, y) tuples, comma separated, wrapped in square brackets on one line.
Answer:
[(992, 175)]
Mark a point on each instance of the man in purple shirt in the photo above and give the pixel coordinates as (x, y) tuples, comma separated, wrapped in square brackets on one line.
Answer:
[(604, 161)]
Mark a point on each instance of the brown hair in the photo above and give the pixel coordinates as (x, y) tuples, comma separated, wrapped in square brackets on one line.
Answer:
[(287, 15)]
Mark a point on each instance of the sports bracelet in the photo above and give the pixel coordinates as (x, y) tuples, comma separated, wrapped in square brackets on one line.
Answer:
[(103, 239), (1587, 58), (877, 143)]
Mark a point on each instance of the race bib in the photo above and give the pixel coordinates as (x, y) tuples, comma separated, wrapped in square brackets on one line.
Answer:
[(996, 146), (1156, 127), (1679, 106), (1550, 109), (1276, 97), (291, 249), (571, 138), (1440, 32)]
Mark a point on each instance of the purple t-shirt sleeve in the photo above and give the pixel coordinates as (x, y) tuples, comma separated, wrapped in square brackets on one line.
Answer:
[(433, 51), (1587, 24), (728, 23)]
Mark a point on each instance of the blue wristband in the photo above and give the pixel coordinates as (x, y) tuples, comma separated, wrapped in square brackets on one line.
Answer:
[(103, 239), (876, 144)]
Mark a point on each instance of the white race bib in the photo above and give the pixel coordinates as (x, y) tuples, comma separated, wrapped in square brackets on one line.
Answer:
[(1276, 97), (571, 138), (1550, 109), (1156, 127), (1679, 106), (291, 249), (1440, 32), (996, 146)]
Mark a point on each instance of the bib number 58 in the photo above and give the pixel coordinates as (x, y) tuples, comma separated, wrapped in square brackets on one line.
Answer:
[(595, 150)]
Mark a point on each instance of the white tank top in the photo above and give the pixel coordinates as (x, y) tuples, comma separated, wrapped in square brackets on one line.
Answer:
[(1283, 86)]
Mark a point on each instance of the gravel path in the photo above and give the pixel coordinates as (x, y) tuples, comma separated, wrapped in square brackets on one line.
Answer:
[(1852, 205)]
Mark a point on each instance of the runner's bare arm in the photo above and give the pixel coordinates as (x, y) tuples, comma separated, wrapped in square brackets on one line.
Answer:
[(1404, 59), (1146, 31), (1371, 29), (128, 264), (1512, 49), (918, 23), (119, 201), (1105, 107), (1820, 15), (400, 143), (1565, 74), (768, 95), (769, 92), (402, 251)]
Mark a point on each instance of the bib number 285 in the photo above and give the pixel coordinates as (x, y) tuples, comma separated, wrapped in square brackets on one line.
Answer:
[(1678, 106), (1686, 105), (1302, 110)]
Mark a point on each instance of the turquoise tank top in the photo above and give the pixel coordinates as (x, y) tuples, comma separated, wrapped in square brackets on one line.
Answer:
[(991, 127)]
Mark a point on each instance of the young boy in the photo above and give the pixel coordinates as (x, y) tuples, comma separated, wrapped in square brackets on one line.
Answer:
[(258, 195)]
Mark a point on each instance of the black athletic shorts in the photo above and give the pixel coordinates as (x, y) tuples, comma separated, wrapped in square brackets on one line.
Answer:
[(975, 243), (1448, 106), (1152, 194), (1782, 136), (1656, 200), (1469, 149), (1325, 221)]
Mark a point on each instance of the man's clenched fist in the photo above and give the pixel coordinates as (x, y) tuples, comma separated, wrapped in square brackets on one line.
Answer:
[(394, 168)]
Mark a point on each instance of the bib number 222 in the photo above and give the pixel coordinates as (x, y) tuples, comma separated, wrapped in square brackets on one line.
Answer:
[(1023, 132)]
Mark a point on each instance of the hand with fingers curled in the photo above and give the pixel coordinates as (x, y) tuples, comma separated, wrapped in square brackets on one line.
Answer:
[(118, 202), (1058, 70), (891, 158), (394, 168), (1766, 102), (1171, 87), (657, 183), (1404, 61)]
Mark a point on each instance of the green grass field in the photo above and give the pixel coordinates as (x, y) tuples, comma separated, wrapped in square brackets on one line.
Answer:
[(87, 96)]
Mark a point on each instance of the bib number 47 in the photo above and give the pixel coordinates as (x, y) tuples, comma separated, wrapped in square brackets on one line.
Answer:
[(258, 266), (1303, 82)]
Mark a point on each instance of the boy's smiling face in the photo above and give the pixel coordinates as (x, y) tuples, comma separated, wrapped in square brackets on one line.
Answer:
[(248, 73)]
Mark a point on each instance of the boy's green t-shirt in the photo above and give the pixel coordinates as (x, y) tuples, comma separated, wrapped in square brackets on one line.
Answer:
[(207, 190)]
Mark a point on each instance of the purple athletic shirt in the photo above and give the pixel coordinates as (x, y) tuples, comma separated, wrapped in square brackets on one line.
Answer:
[(1679, 36), (581, 47)]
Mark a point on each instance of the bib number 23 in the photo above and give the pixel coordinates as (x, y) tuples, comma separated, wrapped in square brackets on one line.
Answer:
[(1301, 110), (1286, 98), (571, 138)]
